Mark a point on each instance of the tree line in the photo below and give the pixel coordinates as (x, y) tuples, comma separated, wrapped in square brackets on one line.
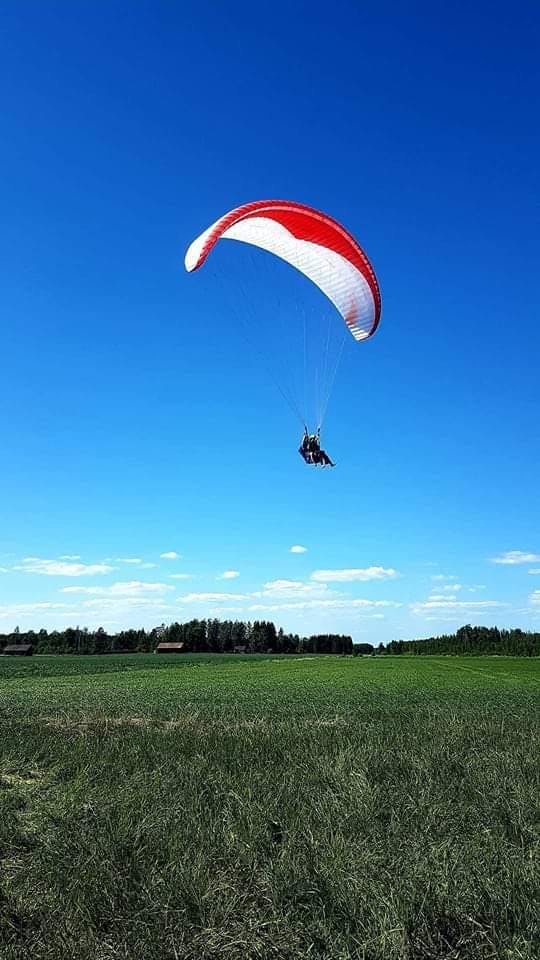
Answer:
[(198, 636), (262, 636), (472, 641)]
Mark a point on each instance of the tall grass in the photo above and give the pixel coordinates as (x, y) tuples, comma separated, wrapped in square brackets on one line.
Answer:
[(204, 807)]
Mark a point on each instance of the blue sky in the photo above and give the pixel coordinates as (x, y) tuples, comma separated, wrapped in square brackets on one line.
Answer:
[(136, 421)]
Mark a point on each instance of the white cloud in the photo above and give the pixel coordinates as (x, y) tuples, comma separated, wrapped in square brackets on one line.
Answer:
[(119, 604), (211, 597), (129, 588), (320, 604), (298, 548), (449, 589), (280, 595), (181, 576), (134, 561), (71, 556), (448, 604), (27, 609), (61, 568), (170, 555), (441, 619), (228, 575), (291, 589), (534, 598), (442, 576), (534, 570), (513, 557), (354, 574), (274, 590), (226, 611)]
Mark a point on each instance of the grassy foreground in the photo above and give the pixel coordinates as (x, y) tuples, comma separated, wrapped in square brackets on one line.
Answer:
[(200, 807)]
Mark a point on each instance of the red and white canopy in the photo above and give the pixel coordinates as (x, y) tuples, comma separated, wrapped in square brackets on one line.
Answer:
[(312, 242)]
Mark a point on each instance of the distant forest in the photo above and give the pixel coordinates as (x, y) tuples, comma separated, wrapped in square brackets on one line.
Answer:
[(198, 636), (475, 641), (262, 636)]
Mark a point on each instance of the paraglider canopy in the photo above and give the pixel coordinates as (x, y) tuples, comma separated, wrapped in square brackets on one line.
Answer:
[(318, 246), (302, 358)]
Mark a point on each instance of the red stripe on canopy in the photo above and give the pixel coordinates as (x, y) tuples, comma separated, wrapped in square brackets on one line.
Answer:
[(304, 223)]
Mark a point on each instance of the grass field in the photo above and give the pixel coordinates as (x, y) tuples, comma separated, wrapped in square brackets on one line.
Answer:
[(200, 807)]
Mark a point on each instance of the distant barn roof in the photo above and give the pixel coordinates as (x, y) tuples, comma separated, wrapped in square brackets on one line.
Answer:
[(18, 648), (170, 647)]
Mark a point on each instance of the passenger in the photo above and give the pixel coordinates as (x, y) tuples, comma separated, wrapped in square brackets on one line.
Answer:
[(305, 448), (325, 459), (310, 449)]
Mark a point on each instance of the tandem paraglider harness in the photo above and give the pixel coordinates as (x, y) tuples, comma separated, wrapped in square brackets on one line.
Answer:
[(310, 450)]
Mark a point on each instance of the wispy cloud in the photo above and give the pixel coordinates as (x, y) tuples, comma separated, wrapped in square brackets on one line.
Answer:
[(71, 556), (534, 598), (226, 611), (449, 604), (170, 555), (352, 574), (181, 576), (442, 577), (61, 568), (272, 591), (282, 595), (134, 561), (297, 548), (452, 588), (514, 557), (13, 610), (229, 575), (291, 589), (212, 597), (321, 604), (534, 570), (445, 619), (118, 604), (129, 588)]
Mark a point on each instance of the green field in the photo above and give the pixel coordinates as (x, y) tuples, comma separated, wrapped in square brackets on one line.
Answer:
[(263, 807)]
